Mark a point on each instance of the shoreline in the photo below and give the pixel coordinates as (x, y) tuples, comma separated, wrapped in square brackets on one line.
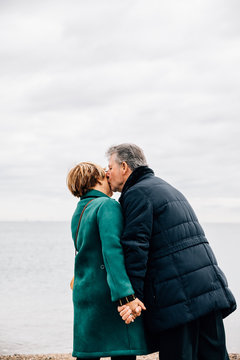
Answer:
[(153, 356)]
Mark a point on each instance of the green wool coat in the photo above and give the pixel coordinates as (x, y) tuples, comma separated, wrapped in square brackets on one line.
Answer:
[(100, 280)]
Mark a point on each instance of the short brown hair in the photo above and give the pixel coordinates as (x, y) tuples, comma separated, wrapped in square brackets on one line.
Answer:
[(84, 177)]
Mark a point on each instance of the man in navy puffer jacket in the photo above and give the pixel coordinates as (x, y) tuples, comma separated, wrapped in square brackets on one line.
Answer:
[(169, 261)]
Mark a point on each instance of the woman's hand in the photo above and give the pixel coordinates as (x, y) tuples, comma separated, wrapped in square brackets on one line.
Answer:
[(131, 310)]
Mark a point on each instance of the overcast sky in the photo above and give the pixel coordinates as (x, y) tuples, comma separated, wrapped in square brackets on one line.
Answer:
[(79, 76)]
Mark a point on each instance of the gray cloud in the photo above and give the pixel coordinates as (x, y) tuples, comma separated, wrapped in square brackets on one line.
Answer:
[(77, 77)]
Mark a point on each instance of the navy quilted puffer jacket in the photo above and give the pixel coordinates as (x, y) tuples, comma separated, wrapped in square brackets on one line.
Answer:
[(168, 258)]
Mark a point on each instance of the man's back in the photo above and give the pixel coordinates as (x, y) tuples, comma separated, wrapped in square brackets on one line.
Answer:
[(168, 258), (170, 263)]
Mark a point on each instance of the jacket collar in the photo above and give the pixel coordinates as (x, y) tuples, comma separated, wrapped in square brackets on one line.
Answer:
[(93, 194), (136, 176)]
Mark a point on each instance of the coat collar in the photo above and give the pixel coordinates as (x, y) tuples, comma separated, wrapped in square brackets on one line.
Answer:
[(93, 194), (136, 176)]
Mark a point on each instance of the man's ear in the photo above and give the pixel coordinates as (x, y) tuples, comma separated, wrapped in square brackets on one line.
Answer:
[(125, 167)]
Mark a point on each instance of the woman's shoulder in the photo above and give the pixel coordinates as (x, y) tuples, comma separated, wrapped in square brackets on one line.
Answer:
[(109, 211), (108, 207), (107, 202)]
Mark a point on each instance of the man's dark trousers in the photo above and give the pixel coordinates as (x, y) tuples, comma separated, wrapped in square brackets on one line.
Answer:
[(201, 339)]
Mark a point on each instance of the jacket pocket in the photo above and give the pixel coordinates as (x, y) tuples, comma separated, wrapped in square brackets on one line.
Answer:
[(169, 292), (149, 293)]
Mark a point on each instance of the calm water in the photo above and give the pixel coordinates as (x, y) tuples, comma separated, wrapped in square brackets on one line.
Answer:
[(36, 265)]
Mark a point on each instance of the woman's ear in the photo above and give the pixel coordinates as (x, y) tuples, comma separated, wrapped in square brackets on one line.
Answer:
[(99, 181)]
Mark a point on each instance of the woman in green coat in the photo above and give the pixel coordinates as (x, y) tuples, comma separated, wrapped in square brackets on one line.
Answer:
[(100, 279)]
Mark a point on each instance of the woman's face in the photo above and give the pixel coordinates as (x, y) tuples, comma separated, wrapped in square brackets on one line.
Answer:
[(107, 188)]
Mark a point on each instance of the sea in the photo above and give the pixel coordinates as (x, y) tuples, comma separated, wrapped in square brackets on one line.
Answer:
[(36, 266)]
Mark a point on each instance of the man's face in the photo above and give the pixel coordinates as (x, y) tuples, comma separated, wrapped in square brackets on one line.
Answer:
[(115, 174)]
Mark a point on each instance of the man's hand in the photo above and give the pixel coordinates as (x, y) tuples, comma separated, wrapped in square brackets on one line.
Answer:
[(131, 310)]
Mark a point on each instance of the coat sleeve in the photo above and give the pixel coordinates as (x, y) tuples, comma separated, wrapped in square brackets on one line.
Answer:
[(138, 217), (110, 224)]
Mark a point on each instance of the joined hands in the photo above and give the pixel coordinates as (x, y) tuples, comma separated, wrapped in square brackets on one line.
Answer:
[(131, 310)]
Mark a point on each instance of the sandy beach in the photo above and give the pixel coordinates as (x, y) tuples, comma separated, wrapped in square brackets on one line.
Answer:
[(69, 357)]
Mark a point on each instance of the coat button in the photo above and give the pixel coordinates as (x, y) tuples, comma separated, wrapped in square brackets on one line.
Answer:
[(102, 267)]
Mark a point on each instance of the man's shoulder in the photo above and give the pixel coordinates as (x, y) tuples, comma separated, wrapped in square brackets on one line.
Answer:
[(145, 186), (138, 192), (152, 189)]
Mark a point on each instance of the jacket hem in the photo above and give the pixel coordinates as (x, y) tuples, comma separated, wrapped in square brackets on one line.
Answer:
[(110, 353), (158, 321)]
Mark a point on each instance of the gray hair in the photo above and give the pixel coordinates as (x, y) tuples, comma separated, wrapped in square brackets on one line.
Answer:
[(130, 153)]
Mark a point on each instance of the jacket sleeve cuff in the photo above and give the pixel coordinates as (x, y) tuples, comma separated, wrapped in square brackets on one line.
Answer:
[(126, 299)]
